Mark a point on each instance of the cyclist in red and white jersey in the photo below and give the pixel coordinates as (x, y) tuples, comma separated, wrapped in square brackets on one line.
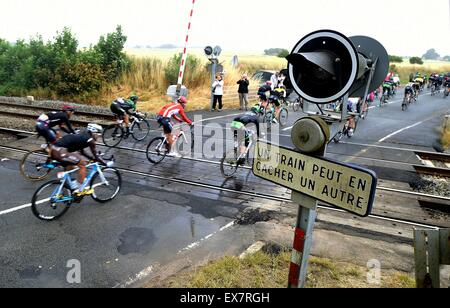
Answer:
[(173, 110)]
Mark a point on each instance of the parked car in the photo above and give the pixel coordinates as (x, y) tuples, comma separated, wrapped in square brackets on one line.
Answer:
[(264, 76)]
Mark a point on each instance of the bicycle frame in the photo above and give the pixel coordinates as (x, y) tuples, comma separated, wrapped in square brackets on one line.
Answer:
[(237, 145), (65, 176)]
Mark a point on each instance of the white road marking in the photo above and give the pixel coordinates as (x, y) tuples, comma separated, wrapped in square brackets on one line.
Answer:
[(21, 207), (220, 117), (196, 244), (143, 274), (18, 208), (401, 130)]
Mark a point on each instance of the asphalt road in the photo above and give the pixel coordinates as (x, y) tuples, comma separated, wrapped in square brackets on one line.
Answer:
[(153, 221)]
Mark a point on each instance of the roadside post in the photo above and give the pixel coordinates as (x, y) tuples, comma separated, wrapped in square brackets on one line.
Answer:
[(212, 54), (431, 250), (324, 67)]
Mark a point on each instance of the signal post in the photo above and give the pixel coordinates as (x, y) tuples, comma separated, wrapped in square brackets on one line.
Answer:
[(324, 67)]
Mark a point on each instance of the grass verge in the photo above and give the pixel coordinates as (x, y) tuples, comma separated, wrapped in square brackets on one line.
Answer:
[(264, 270)]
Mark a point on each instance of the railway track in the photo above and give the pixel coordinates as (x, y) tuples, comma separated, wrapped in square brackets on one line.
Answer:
[(429, 199), (435, 164), (48, 109), (420, 169)]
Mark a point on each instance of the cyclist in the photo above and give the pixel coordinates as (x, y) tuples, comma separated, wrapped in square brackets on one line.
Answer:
[(239, 125), (420, 81), (43, 129), (69, 150), (387, 89), (124, 108), (409, 90), (275, 101), (174, 110), (446, 86), (46, 122), (262, 94)]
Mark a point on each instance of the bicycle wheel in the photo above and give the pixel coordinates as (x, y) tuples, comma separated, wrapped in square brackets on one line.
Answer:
[(268, 119), (365, 113), (184, 147), (296, 105), (32, 165), (156, 150), (113, 135), (283, 117), (140, 130), (404, 104), (229, 164), (48, 207), (338, 137), (105, 192)]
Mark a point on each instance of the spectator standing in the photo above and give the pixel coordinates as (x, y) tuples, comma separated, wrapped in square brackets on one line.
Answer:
[(275, 79), (218, 93), (243, 92)]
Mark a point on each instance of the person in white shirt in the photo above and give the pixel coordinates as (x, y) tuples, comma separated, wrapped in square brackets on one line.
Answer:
[(218, 92)]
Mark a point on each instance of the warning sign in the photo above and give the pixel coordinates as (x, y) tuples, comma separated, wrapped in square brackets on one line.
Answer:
[(349, 187)]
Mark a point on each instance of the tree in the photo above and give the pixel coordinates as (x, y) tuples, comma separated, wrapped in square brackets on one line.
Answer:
[(431, 55), (395, 59), (273, 51), (447, 58), (112, 58), (416, 60), (283, 53)]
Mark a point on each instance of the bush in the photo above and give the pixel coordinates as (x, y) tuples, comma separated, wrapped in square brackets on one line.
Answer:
[(59, 67), (416, 60), (195, 73)]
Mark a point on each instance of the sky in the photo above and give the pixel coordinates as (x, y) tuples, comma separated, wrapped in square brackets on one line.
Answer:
[(404, 27)]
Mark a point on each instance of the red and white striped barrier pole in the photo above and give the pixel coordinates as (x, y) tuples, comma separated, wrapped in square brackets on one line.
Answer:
[(303, 239), (185, 54)]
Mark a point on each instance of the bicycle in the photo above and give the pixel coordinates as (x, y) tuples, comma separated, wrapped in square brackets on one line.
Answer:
[(296, 105), (234, 158), (365, 109), (446, 92), (346, 131), (271, 116), (53, 199), (435, 89), (139, 129), (158, 148), (384, 98), (406, 101)]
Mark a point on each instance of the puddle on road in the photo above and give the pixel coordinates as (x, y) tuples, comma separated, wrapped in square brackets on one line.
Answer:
[(136, 240), (31, 272)]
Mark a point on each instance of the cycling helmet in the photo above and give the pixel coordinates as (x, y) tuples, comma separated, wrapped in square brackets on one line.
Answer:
[(134, 98), (182, 100), (269, 83), (68, 108), (256, 109), (94, 128)]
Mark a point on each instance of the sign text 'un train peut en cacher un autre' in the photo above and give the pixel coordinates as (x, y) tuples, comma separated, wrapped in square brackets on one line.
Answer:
[(348, 187)]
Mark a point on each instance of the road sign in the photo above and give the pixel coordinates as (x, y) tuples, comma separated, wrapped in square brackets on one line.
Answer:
[(348, 187)]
